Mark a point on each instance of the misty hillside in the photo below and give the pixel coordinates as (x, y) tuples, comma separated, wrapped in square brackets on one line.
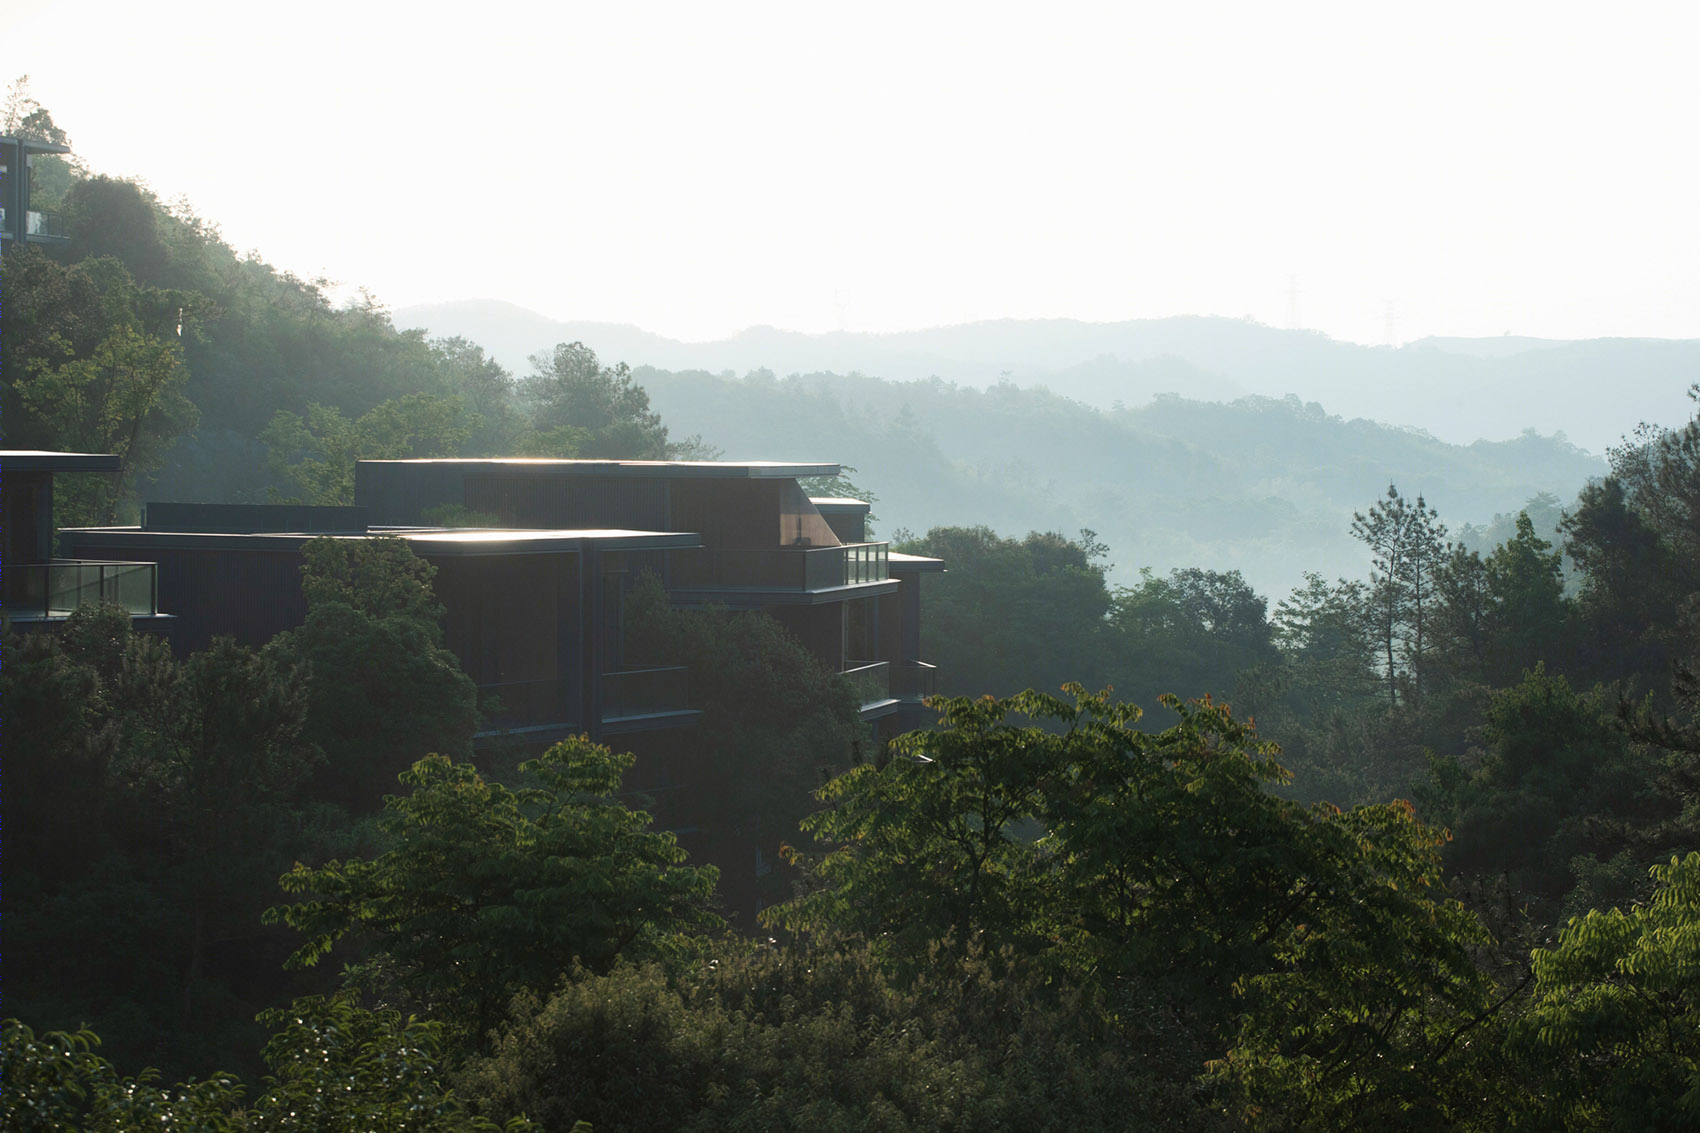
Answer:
[(1461, 390), (1261, 485)]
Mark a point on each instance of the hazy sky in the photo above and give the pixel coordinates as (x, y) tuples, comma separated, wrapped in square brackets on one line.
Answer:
[(698, 168)]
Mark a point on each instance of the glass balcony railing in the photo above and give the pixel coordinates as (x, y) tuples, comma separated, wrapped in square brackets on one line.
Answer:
[(48, 224), (645, 692), (871, 680), (780, 568), (914, 680), (55, 590), (40, 224)]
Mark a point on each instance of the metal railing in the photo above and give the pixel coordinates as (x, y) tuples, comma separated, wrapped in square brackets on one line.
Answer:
[(914, 680), (645, 692), (870, 680), (49, 224), (55, 590), (780, 568), (40, 223)]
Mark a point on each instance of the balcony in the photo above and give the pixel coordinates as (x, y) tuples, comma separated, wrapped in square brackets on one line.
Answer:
[(38, 225), (55, 590), (645, 692), (870, 680), (779, 568), (914, 680)]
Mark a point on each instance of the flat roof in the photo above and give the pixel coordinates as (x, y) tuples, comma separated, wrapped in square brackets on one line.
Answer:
[(897, 560), (32, 146), (838, 504), (716, 469), (36, 460), (426, 540)]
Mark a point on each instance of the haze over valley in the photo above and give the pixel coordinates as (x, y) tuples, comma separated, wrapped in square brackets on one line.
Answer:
[(1593, 392), (1255, 686), (1179, 441)]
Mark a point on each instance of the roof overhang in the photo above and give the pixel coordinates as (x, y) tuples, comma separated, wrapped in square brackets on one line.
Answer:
[(660, 469), (899, 563), (424, 541), (31, 460), (751, 598), (839, 505)]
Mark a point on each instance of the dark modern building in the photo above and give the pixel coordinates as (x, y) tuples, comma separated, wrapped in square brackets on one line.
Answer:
[(535, 600), (20, 222), (39, 590), (528, 613), (764, 544)]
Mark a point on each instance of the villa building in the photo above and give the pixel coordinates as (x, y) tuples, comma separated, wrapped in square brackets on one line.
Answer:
[(535, 598)]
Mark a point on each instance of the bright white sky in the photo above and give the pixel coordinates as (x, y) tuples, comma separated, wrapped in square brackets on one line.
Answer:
[(695, 168)]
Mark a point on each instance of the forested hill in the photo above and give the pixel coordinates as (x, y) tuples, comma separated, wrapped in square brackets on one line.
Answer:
[(1264, 486), (1461, 390)]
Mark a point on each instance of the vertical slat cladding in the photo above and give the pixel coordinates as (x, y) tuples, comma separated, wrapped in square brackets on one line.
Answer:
[(728, 513), (398, 495), (508, 617), (526, 498)]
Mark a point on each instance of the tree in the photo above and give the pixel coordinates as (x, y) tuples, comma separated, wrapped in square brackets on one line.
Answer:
[(26, 118), (1531, 616), (56, 1081), (1555, 771), (1051, 600), (580, 408), (221, 762), (788, 1038), (149, 806), (120, 219), (337, 1065), (936, 844), (1614, 1028), (487, 391), (1466, 617), (334, 1065), (1636, 537), (1320, 631), (776, 723), (489, 889), (315, 455), (1161, 862), (93, 364), (1404, 541), (383, 689), (1199, 630)]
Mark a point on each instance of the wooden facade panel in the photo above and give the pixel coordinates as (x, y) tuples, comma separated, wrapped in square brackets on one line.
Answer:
[(728, 513), (399, 495), (515, 623), (521, 499)]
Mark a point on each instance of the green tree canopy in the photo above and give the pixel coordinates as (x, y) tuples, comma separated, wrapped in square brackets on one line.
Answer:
[(1614, 1029), (581, 408), (1050, 601), (1159, 859), (383, 689), (314, 455), (489, 889)]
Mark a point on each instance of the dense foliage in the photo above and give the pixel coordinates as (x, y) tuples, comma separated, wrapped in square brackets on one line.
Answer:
[(1047, 912)]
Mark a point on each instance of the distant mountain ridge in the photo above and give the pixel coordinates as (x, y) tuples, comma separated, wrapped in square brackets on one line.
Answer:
[(1267, 486), (1460, 390)]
